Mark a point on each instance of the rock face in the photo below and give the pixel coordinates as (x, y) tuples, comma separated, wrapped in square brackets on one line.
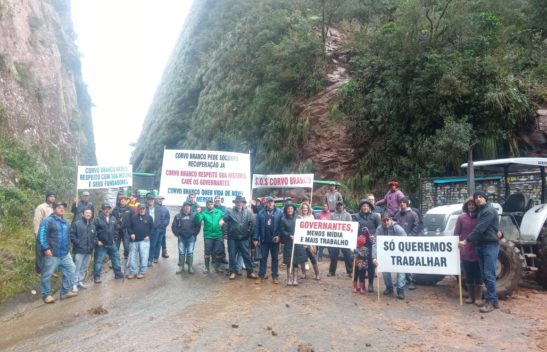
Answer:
[(43, 99)]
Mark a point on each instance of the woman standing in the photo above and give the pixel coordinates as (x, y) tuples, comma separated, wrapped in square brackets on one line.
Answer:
[(306, 213), (288, 223), (464, 225)]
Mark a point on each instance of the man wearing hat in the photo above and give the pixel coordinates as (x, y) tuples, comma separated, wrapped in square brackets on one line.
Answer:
[(340, 214), (54, 242), (393, 198), (40, 213), (140, 229), (84, 203), (332, 197), (390, 228), (267, 234), (161, 221), (105, 225), (122, 213), (485, 236), (238, 225), (186, 228), (212, 235)]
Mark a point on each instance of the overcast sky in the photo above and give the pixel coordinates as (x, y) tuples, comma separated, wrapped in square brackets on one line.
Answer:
[(125, 45)]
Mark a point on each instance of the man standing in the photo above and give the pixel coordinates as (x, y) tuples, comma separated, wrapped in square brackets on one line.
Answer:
[(122, 214), (408, 219), (212, 234), (393, 198), (84, 238), (332, 197), (84, 203), (151, 210), (340, 214), (40, 213), (369, 221), (161, 221), (140, 229), (105, 224), (375, 208), (218, 204), (54, 242), (238, 225), (486, 240), (266, 234), (186, 228), (389, 228)]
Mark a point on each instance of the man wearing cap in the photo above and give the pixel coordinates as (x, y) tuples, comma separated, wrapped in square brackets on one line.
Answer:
[(40, 213), (122, 214), (332, 197), (340, 214), (186, 228), (140, 229), (83, 237), (84, 203), (105, 224), (238, 225), (161, 221), (54, 243), (390, 228), (212, 235), (267, 235), (392, 199), (369, 221), (485, 236)]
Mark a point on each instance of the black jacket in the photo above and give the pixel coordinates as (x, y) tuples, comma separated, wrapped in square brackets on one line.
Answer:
[(77, 210), (141, 227), (83, 236), (185, 225), (238, 226), (106, 231), (122, 216), (487, 226)]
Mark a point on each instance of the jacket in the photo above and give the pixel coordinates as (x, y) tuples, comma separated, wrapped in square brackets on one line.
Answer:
[(262, 218), (394, 230), (464, 225), (77, 209), (392, 201), (42, 211), (53, 235), (161, 217), (122, 216), (340, 216), (238, 226), (141, 227), (83, 236), (287, 230), (106, 230), (185, 225), (487, 226), (211, 226), (369, 220), (409, 221)]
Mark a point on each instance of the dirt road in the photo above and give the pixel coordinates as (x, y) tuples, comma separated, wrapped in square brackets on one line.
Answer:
[(168, 312)]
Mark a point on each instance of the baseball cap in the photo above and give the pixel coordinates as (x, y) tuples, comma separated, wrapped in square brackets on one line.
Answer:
[(85, 193)]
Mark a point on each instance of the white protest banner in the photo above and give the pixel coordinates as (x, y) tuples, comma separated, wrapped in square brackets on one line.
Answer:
[(420, 255), (97, 177), (326, 233), (283, 181), (205, 173)]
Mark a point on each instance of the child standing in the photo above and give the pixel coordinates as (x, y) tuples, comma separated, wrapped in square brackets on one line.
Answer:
[(360, 255)]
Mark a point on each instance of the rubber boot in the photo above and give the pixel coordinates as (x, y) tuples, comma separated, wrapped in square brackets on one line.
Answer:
[(361, 287), (479, 302), (190, 262), (316, 271), (181, 265), (295, 276), (207, 264), (371, 285), (354, 286), (471, 292), (289, 276)]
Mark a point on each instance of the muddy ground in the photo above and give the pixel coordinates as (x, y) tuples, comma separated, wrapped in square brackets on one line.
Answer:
[(168, 312)]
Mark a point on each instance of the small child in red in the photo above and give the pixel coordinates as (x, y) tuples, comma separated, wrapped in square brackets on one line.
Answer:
[(360, 254)]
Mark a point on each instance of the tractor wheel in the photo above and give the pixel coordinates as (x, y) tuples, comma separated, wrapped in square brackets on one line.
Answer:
[(541, 274), (427, 279), (509, 268)]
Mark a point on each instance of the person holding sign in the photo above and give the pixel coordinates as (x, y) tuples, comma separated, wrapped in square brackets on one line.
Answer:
[(266, 233), (409, 220), (306, 213), (390, 228), (340, 215), (212, 234), (78, 208), (288, 223)]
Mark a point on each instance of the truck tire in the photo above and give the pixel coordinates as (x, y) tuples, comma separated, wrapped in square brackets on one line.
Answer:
[(508, 268), (541, 274), (427, 279)]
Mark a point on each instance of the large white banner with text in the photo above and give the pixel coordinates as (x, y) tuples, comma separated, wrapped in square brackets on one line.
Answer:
[(100, 177), (283, 181), (205, 173)]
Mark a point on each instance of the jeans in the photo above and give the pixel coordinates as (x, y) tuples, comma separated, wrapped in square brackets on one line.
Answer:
[(50, 264), (240, 247), (266, 248), (139, 250), (114, 256), (488, 256), (320, 252), (155, 244), (82, 262), (186, 245), (214, 248), (38, 257), (400, 281), (348, 261)]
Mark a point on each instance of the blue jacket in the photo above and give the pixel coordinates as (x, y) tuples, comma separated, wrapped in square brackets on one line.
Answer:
[(260, 226), (53, 234), (161, 217)]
